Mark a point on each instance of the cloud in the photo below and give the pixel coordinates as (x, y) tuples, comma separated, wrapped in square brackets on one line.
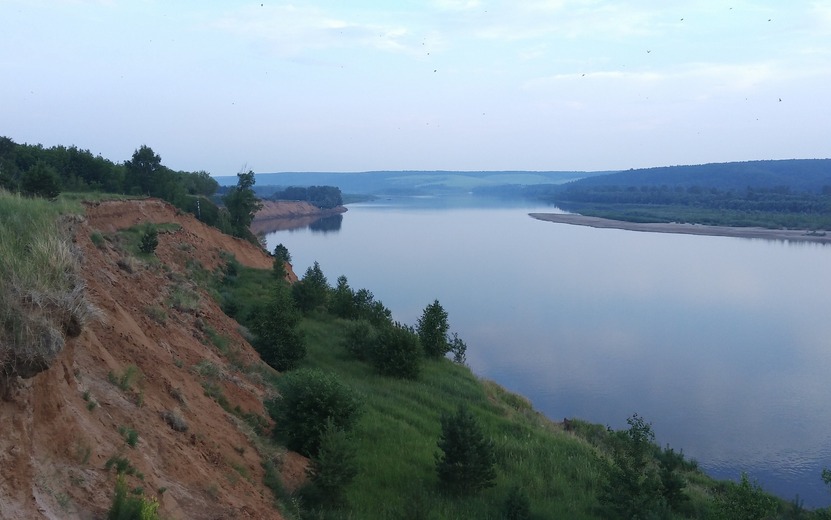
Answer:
[(290, 30)]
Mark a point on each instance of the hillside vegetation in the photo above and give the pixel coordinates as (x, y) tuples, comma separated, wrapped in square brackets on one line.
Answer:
[(154, 367)]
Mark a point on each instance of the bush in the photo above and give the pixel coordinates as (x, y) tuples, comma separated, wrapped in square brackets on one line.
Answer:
[(131, 507), (332, 469), (149, 240), (744, 501), (517, 505), (310, 399), (397, 352), (466, 464), (360, 339), (633, 486), (278, 340)]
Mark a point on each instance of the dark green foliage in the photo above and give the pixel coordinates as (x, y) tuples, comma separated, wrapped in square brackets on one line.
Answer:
[(467, 462), (459, 349), (342, 300), (360, 339), (282, 252), (310, 400), (143, 172), (367, 308), (199, 183), (312, 290), (432, 331), (41, 180), (517, 505), (149, 239), (242, 204), (633, 488), (744, 501), (397, 352), (128, 506), (672, 482), (278, 340), (332, 469)]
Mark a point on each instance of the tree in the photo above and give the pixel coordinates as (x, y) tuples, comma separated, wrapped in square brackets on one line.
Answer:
[(467, 462), (432, 331), (397, 352), (242, 204), (333, 468), (633, 486), (342, 302), (281, 258), (310, 400), (278, 340), (311, 291), (459, 349), (142, 171), (41, 180)]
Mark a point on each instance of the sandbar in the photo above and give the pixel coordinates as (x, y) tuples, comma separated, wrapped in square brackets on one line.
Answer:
[(796, 235)]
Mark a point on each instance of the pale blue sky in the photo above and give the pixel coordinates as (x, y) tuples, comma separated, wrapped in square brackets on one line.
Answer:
[(443, 84)]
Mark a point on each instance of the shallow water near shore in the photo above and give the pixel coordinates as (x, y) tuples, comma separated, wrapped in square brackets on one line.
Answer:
[(721, 343)]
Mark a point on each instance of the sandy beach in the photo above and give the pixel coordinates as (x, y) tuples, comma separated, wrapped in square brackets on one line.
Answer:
[(687, 229)]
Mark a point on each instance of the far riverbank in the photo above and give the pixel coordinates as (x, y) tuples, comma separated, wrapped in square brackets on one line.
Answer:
[(687, 229), (285, 214)]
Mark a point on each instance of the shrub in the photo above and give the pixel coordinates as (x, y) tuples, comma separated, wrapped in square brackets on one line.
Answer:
[(466, 464), (397, 352), (360, 339), (175, 420), (278, 340), (309, 400), (149, 239), (332, 469), (127, 506), (633, 486), (744, 501), (517, 505)]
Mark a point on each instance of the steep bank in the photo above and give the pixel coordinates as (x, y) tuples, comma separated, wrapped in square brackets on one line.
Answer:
[(285, 214), (148, 365)]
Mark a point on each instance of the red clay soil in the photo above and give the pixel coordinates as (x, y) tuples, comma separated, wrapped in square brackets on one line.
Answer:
[(54, 444)]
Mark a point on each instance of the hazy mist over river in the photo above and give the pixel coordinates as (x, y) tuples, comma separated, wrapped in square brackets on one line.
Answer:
[(723, 344)]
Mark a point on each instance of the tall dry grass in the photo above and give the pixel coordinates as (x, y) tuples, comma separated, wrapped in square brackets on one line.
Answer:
[(41, 292)]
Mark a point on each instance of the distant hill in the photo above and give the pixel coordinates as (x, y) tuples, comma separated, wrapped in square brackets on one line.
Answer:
[(809, 175), (412, 182)]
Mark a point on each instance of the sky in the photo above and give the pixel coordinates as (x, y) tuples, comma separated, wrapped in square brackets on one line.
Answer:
[(270, 86)]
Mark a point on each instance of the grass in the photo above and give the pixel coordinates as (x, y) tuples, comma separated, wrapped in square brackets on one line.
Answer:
[(559, 472), (42, 298)]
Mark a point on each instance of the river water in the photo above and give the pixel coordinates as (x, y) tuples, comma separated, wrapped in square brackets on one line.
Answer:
[(723, 344)]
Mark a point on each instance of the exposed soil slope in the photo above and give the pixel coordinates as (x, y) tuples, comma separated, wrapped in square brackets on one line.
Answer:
[(54, 443)]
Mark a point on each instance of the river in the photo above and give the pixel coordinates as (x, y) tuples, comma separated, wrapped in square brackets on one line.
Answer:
[(723, 344)]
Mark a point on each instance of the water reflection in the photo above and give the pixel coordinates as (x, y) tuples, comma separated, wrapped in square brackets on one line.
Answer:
[(314, 223), (721, 343), (330, 224)]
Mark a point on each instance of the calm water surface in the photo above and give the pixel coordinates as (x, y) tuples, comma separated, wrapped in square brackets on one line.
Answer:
[(723, 344)]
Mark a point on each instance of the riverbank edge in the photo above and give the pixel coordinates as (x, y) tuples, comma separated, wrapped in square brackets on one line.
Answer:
[(789, 235)]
